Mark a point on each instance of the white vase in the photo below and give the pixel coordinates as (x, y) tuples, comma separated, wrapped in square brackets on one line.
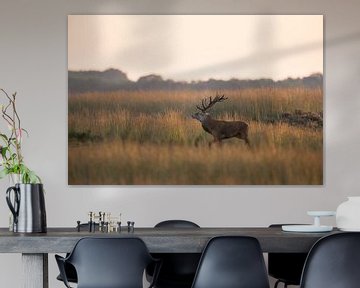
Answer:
[(348, 215)]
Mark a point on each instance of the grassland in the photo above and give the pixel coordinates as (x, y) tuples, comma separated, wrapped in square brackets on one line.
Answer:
[(149, 137)]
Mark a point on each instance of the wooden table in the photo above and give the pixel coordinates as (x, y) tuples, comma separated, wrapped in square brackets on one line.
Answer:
[(35, 247)]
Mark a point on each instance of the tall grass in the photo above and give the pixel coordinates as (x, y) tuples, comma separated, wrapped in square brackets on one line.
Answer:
[(149, 137), (255, 104), (133, 163)]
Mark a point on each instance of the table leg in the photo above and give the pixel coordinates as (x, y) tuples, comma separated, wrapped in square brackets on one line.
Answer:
[(35, 270)]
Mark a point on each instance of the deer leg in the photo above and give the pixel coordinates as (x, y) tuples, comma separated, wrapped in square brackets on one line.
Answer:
[(196, 142), (215, 140), (245, 138)]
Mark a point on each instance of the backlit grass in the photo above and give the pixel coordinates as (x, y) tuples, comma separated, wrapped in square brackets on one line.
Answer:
[(148, 137)]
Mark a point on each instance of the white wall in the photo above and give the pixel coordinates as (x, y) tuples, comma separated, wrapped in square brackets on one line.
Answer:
[(33, 62)]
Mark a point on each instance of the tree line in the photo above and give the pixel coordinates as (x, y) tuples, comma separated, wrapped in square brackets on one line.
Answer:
[(113, 79)]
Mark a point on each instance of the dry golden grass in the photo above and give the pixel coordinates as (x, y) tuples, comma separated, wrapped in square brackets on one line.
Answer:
[(148, 137), (133, 163)]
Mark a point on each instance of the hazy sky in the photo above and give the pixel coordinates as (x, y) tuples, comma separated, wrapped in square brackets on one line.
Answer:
[(193, 47)]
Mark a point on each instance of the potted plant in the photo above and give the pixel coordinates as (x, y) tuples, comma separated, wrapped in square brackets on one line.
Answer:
[(26, 197)]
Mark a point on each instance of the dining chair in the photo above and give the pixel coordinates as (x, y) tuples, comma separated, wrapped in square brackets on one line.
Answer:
[(108, 263), (232, 262), (286, 267), (333, 262), (178, 269)]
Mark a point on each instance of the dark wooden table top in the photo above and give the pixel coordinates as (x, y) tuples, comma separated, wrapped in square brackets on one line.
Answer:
[(158, 240)]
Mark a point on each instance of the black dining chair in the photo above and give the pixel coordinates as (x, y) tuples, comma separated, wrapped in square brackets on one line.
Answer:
[(108, 263), (178, 269), (333, 262), (286, 267), (232, 262)]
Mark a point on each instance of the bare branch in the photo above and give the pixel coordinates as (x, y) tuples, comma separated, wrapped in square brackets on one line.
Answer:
[(14, 123)]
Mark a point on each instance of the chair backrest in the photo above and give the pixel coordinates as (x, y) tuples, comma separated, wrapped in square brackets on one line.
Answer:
[(333, 262), (232, 262), (178, 269), (176, 224), (110, 262)]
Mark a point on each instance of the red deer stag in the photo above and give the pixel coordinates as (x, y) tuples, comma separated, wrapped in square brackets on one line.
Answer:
[(219, 129)]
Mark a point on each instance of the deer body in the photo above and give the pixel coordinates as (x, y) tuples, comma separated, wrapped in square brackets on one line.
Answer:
[(220, 129)]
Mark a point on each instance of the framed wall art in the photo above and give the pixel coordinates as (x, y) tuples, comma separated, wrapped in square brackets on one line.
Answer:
[(195, 99)]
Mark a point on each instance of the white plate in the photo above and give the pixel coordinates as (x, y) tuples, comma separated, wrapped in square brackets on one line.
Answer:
[(321, 213), (306, 228)]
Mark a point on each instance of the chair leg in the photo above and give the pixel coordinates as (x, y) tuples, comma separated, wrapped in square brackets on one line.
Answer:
[(278, 282)]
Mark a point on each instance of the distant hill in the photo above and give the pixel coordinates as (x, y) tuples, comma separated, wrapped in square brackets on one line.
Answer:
[(113, 79)]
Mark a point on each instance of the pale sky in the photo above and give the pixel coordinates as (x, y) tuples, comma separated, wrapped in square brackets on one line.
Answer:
[(198, 47)]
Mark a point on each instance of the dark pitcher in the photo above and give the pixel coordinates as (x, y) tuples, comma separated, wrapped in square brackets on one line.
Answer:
[(28, 207)]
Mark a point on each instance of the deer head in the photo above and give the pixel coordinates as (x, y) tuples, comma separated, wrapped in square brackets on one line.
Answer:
[(206, 104)]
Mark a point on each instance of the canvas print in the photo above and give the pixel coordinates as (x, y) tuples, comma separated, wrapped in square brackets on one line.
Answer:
[(195, 99)]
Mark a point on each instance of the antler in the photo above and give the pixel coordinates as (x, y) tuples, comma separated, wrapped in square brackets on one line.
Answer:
[(206, 106)]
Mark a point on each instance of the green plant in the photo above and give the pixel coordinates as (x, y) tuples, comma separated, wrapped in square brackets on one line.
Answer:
[(11, 157)]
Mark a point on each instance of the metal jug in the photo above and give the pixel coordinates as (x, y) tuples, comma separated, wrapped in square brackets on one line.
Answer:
[(28, 208)]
